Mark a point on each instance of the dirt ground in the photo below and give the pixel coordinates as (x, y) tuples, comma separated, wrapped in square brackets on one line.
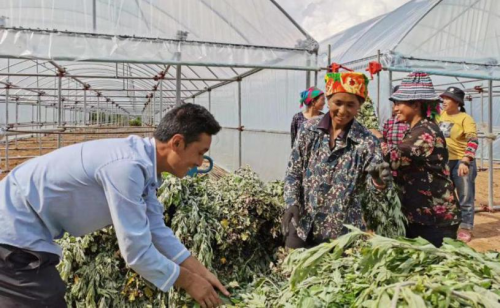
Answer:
[(486, 235)]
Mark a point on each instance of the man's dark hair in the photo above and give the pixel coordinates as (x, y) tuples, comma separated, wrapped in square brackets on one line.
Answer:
[(188, 120)]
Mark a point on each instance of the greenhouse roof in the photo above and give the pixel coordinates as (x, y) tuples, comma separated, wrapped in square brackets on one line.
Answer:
[(458, 36), (121, 50)]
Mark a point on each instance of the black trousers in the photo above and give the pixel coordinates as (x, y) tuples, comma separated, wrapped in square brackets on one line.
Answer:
[(30, 279), (433, 234)]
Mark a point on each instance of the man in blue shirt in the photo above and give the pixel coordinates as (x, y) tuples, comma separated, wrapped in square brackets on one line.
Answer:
[(85, 187)]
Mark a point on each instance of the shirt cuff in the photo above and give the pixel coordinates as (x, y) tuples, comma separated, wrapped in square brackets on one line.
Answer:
[(169, 283), (181, 256), (376, 191)]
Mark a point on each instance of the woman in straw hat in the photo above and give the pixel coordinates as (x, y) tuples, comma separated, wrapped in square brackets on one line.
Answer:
[(421, 161), (314, 100), (334, 162), (460, 132)]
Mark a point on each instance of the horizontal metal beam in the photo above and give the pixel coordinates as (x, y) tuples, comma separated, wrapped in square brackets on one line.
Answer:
[(78, 95), (442, 73), (151, 39), (458, 81), (62, 132), (224, 83), (99, 89), (243, 129), (111, 77), (451, 61)]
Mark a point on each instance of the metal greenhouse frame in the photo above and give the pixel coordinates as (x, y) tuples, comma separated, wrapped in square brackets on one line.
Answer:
[(69, 94)]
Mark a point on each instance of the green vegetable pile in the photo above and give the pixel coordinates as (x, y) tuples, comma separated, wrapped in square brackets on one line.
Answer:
[(367, 115), (366, 270), (231, 225)]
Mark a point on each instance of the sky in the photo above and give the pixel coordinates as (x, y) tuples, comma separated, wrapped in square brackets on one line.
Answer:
[(324, 18)]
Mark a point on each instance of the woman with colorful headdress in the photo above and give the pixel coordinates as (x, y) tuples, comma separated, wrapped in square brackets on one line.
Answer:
[(335, 163), (421, 161), (314, 100)]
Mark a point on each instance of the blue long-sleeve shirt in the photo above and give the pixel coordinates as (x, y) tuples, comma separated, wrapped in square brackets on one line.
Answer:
[(84, 187)]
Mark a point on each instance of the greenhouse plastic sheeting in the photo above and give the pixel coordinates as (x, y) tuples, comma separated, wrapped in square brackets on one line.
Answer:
[(460, 31), (271, 98), (224, 150), (202, 32), (380, 33), (456, 29)]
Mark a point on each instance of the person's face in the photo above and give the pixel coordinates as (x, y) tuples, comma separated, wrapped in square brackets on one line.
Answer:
[(320, 103), (184, 158), (406, 111), (449, 105), (393, 110), (343, 108)]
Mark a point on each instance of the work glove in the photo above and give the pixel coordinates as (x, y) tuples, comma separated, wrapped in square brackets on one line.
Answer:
[(291, 212), (381, 173)]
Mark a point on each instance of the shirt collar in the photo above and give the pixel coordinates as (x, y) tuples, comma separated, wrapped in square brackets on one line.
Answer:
[(354, 130), (422, 122), (152, 155)]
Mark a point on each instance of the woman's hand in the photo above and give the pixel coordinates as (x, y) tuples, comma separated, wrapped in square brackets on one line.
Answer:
[(463, 170), (377, 133)]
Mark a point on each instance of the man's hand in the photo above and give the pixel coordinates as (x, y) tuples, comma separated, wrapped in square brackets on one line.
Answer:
[(290, 213), (381, 174), (194, 266), (214, 281), (198, 288)]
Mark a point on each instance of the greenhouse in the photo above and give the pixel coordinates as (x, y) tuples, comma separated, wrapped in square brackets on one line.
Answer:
[(73, 71)]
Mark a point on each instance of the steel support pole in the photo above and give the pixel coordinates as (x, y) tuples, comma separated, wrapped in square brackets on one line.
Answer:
[(154, 107), (39, 120), (210, 101), (150, 115), (178, 84), (7, 125), (482, 124), (471, 110), (60, 109), (316, 72), (94, 15), (390, 93), (161, 101), (308, 74), (210, 110), (329, 54), (239, 126), (84, 107), (490, 143), (378, 86), (98, 111), (390, 83), (17, 120)]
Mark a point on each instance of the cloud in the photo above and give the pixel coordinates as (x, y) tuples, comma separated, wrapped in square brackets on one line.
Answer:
[(324, 18)]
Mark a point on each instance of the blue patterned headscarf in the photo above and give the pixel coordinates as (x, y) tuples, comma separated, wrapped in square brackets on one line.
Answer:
[(308, 96)]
